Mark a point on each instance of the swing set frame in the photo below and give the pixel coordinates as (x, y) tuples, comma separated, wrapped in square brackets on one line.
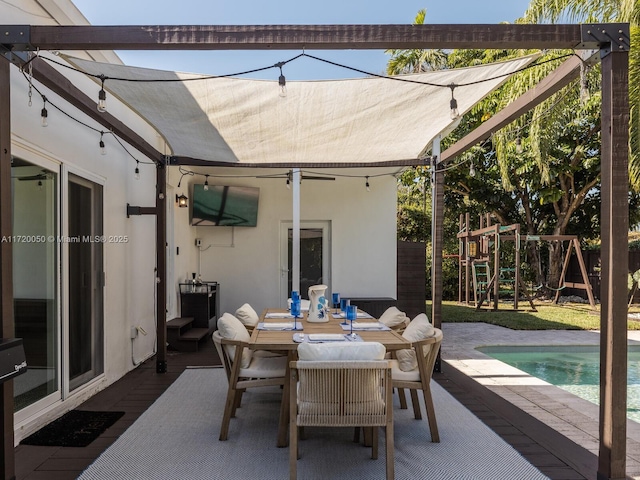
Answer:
[(476, 247)]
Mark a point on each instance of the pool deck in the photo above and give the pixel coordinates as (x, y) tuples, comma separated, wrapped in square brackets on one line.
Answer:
[(573, 417)]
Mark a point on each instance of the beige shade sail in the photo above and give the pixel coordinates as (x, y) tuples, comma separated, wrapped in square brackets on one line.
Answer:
[(329, 122)]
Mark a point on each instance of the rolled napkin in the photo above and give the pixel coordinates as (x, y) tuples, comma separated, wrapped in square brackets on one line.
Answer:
[(360, 326), (367, 325), (278, 315), (326, 337), (276, 326)]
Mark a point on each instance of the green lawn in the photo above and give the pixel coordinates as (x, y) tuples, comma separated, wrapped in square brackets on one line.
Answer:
[(571, 316)]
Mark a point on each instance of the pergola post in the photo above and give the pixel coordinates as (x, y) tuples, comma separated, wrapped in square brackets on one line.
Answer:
[(161, 266), (615, 257), (7, 460), (437, 217)]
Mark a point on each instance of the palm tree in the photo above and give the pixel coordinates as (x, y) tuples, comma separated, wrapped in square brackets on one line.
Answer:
[(603, 11), (416, 61)]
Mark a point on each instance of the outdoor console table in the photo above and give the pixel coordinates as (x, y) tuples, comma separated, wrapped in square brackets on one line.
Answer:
[(279, 340), (200, 302)]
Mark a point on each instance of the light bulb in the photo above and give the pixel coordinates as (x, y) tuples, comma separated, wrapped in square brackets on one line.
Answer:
[(518, 145), (206, 183), (367, 184), (453, 104), (40, 185), (43, 116), (136, 175), (282, 82), (455, 114), (102, 100), (584, 84), (103, 150), (584, 93), (472, 170)]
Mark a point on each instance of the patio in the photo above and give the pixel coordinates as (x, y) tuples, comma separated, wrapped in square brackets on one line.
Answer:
[(136, 392)]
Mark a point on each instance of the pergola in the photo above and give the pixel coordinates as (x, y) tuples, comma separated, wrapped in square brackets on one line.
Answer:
[(611, 41)]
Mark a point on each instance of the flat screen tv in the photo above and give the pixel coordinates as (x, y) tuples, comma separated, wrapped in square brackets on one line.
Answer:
[(228, 206)]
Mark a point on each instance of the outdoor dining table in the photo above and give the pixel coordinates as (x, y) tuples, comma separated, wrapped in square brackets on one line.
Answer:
[(282, 340)]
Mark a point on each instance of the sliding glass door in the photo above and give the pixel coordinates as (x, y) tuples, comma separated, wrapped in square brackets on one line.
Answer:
[(35, 281), (86, 281)]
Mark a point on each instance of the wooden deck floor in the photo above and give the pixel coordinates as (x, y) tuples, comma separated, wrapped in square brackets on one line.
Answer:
[(135, 392)]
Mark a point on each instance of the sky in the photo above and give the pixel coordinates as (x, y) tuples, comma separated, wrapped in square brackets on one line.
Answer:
[(284, 12)]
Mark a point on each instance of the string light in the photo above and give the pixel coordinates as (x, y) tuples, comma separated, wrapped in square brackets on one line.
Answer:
[(472, 170), (282, 82), (43, 113), (136, 174), (366, 184), (453, 104), (518, 144), (103, 150), (289, 180), (40, 185), (102, 96), (206, 182), (455, 114), (584, 84)]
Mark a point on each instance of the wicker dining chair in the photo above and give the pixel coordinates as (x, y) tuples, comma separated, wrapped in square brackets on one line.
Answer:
[(261, 371), (341, 393), (419, 378)]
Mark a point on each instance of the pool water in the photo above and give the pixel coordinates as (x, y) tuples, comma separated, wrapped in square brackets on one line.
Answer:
[(572, 368)]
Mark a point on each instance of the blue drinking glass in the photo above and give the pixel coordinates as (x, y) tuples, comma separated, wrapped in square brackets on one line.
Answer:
[(352, 314), (336, 301), (294, 296), (295, 311), (344, 303)]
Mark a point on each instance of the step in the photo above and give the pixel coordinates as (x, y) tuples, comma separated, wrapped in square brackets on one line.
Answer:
[(179, 322), (194, 334)]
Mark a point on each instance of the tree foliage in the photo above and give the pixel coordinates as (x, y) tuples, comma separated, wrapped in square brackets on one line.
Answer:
[(542, 170)]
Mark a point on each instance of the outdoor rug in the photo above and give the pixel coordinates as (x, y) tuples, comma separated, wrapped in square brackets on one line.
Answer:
[(77, 428), (177, 438)]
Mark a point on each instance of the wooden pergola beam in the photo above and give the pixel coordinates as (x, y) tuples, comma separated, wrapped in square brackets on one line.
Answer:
[(312, 37), (307, 37), (410, 162), (62, 86), (551, 84)]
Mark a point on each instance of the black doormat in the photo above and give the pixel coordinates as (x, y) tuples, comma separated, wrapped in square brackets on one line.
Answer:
[(77, 428)]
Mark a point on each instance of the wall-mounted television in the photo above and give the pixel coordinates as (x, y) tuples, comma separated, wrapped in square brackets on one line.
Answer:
[(224, 205)]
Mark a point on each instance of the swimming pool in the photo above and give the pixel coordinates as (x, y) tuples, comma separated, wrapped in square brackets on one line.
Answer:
[(575, 368)]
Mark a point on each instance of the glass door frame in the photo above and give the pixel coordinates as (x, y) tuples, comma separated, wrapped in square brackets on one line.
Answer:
[(25, 153), (67, 390), (285, 226)]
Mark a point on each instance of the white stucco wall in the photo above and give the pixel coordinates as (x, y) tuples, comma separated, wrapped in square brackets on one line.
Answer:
[(247, 262), (362, 224), (65, 146)]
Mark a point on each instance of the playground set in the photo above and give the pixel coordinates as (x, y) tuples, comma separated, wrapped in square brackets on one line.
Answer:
[(480, 254)]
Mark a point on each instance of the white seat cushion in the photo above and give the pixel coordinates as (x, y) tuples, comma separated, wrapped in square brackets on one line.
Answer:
[(419, 329), (393, 318), (341, 351), (232, 329), (398, 374), (265, 367), (247, 315)]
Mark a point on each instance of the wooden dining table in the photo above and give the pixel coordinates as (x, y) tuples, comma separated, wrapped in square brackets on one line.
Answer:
[(282, 341)]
